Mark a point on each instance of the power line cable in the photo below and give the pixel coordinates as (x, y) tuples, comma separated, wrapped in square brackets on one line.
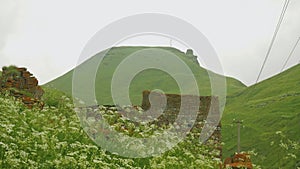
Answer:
[(285, 6), (290, 55), (286, 3)]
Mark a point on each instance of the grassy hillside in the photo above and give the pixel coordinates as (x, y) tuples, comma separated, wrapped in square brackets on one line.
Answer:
[(266, 108), (148, 79), (269, 110)]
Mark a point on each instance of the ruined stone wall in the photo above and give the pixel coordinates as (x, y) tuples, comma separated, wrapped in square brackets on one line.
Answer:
[(20, 83), (200, 107), (173, 105)]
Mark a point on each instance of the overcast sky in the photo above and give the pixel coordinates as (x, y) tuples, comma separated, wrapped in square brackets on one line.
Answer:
[(48, 36)]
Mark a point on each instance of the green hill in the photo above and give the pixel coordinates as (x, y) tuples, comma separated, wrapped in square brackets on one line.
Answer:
[(266, 108), (146, 80), (270, 107), (270, 111)]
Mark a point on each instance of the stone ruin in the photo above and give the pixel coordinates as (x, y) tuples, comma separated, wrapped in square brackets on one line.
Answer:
[(173, 105), (21, 84), (190, 55)]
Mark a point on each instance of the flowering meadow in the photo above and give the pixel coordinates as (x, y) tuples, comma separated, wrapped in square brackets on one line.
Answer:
[(53, 138)]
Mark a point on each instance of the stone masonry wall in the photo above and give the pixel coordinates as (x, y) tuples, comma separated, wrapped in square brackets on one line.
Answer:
[(20, 83), (173, 106)]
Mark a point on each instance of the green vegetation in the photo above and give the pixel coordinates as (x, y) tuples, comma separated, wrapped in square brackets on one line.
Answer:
[(146, 80), (269, 110), (23, 92), (53, 138), (53, 97), (0, 79), (11, 71), (270, 106)]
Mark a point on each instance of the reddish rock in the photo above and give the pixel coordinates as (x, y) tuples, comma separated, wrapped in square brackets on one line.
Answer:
[(21, 84)]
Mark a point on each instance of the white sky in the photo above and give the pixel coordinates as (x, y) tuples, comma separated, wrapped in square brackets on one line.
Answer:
[(48, 36)]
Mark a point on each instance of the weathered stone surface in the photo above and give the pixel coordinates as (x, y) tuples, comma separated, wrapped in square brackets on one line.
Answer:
[(173, 106), (21, 84)]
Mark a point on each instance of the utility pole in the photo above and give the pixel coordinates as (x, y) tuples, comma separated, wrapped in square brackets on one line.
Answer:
[(239, 122)]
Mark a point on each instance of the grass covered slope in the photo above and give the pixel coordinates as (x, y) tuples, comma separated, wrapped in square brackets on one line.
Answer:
[(145, 80), (267, 108)]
